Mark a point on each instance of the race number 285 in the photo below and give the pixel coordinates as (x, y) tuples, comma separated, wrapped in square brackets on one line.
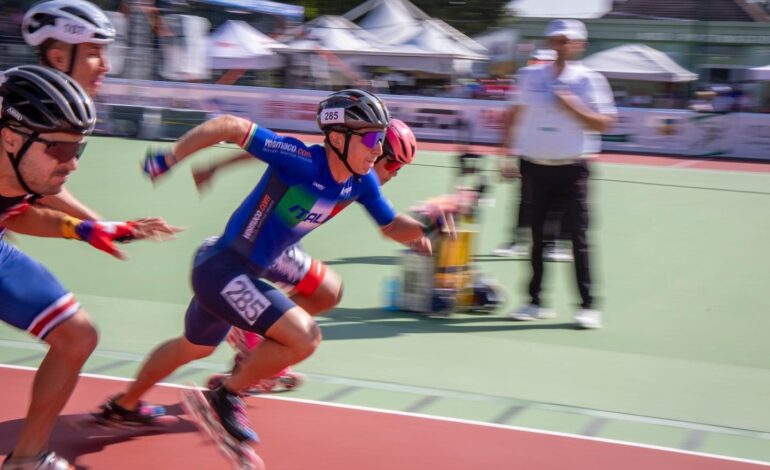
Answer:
[(333, 115), (244, 297)]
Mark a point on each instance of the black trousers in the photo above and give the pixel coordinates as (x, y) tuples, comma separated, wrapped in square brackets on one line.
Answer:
[(565, 186), (555, 224)]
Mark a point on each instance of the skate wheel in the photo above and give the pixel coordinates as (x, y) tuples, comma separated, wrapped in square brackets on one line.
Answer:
[(242, 455), (292, 380)]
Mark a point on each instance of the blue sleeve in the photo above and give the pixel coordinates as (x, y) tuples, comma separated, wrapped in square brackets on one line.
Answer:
[(287, 154), (378, 206)]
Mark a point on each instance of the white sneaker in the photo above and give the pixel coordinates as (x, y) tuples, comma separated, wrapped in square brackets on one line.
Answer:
[(514, 250), (531, 312), (558, 254), (588, 318)]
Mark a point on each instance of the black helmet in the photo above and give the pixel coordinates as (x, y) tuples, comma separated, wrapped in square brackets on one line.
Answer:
[(44, 100), (352, 109)]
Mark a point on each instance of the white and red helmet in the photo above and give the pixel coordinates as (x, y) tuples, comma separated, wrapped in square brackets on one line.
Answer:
[(400, 143)]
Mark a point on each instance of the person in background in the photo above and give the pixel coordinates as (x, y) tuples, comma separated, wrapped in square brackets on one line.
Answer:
[(518, 246), (564, 107), (71, 36)]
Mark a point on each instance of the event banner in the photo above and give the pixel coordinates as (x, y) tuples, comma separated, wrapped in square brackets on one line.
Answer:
[(294, 110), (149, 109)]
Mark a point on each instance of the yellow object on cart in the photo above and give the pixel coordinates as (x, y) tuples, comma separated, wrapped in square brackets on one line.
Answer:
[(453, 265)]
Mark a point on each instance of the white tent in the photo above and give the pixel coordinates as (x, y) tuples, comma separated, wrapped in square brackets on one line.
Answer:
[(391, 20), (440, 38), (408, 30), (358, 47), (236, 45), (638, 62), (336, 34), (760, 73)]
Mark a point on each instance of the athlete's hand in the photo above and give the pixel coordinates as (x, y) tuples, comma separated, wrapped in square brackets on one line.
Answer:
[(202, 176), (104, 235), (153, 228), (421, 246), (157, 162), (440, 212)]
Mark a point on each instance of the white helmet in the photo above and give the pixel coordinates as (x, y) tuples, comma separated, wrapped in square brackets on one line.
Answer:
[(69, 21)]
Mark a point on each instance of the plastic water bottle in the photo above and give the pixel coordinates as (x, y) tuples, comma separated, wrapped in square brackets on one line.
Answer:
[(392, 293)]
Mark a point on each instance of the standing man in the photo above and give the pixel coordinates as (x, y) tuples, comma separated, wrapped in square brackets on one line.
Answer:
[(518, 244), (564, 107)]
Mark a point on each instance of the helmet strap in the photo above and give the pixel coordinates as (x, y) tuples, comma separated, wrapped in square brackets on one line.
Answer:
[(16, 161), (73, 55), (343, 156)]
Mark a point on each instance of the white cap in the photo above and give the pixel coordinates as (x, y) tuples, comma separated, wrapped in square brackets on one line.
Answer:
[(573, 30)]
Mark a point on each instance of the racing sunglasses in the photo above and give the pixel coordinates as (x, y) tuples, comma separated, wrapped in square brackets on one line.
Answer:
[(372, 138), (392, 165), (60, 151)]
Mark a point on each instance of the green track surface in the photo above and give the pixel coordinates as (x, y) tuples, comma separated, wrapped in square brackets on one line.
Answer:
[(681, 260)]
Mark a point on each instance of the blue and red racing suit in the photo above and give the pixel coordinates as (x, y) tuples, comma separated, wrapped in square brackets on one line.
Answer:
[(296, 194), (31, 298)]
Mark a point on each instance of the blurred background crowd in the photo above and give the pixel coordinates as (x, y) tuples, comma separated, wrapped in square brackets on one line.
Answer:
[(702, 55)]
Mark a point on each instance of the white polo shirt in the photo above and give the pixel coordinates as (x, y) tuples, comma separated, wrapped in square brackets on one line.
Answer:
[(546, 130)]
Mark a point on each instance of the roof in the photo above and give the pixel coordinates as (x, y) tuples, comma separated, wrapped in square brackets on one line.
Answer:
[(401, 23), (703, 10), (638, 62), (336, 33)]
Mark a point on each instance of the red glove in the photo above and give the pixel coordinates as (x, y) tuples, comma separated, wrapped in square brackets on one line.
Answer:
[(100, 235)]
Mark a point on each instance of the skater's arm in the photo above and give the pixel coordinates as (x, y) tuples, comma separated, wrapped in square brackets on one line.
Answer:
[(42, 222), (226, 128), (202, 175), (405, 229), (158, 162), (66, 202), (287, 154), (38, 222)]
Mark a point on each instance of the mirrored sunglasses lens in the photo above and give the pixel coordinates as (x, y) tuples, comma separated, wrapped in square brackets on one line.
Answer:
[(371, 139)]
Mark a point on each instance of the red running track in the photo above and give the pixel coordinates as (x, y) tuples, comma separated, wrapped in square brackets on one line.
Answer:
[(301, 435)]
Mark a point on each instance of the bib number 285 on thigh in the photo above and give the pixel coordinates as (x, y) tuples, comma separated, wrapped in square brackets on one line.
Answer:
[(245, 298)]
